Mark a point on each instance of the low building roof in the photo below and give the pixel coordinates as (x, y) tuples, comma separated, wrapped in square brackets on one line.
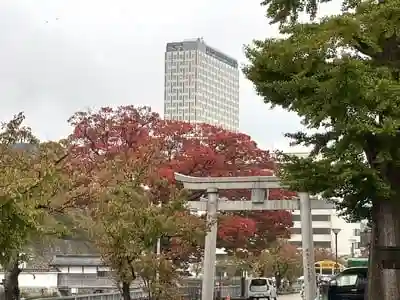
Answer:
[(76, 260)]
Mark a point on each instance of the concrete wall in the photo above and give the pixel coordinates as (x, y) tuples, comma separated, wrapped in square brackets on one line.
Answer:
[(46, 280), (82, 269), (84, 280)]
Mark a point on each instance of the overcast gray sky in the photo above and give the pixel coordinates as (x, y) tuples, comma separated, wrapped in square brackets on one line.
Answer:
[(61, 56)]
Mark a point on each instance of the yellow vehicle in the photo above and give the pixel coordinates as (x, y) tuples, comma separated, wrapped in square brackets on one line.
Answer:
[(327, 267)]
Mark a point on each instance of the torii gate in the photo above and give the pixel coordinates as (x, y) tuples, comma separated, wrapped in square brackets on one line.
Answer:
[(259, 201)]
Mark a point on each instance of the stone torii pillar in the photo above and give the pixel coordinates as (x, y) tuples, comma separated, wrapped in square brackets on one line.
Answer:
[(259, 186)]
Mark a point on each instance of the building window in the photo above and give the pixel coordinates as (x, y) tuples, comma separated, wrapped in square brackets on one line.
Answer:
[(323, 245), (102, 273), (321, 217), (315, 231), (317, 245), (295, 218), (356, 232), (314, 218), (321, 231)]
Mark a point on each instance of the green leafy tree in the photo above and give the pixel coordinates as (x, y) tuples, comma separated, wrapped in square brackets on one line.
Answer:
[(281, 260), (341, 76), (235, 265), (36, 189), (125, 225)]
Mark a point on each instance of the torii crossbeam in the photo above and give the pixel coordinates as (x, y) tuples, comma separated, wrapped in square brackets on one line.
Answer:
[(259, 186)]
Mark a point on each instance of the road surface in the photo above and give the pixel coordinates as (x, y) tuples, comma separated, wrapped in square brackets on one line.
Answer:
[(289, 297)]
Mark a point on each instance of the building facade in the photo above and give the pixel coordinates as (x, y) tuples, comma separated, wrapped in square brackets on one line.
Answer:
[(82, 272), (321, 226), (323, 223), (201, 85)]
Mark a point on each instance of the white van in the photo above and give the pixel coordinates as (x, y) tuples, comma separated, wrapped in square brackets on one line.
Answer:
[(261, 288)]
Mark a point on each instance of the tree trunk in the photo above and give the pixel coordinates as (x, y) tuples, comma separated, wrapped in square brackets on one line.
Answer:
[(126, 295), (11, 286), (374, 288), (278, 280), (384, 284)]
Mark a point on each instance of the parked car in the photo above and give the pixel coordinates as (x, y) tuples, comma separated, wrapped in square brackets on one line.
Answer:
[(350, 284), (261, 288)]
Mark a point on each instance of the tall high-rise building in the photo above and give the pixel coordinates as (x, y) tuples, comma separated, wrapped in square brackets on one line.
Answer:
[(201, 85)]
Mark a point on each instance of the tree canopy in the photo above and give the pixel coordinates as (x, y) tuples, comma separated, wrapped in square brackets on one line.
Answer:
[(37, 190), (280, 260), (125, 226), (190, 149), (340, 74), (36, 187)]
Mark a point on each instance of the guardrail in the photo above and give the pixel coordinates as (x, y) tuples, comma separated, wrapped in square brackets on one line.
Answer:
[(135, 294), (191, 292)]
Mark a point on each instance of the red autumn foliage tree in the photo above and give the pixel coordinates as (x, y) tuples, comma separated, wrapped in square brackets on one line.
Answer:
[(111, 146), (235, 230), (205, 150), (270, 226), (190, 149), (323, 254)]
